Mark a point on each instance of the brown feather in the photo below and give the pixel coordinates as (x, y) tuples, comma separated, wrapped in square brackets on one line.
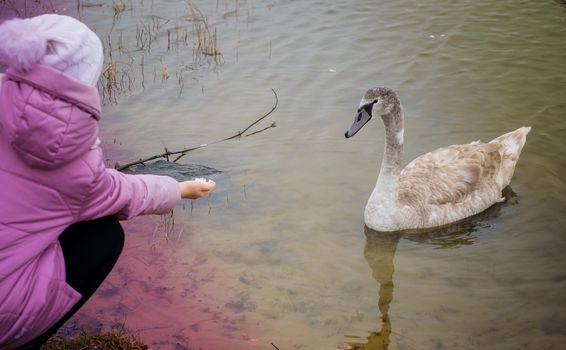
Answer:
[(448, 175)]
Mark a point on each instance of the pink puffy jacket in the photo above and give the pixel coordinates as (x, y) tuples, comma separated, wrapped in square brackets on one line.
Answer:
[(50, 177)]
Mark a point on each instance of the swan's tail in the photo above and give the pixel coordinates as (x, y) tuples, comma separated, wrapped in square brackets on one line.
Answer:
[(512, 143)]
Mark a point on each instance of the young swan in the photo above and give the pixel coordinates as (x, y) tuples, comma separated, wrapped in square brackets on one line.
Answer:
[(439, 187)]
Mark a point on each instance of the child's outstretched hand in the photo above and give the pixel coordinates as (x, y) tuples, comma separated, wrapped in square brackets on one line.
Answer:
[(196, 188)]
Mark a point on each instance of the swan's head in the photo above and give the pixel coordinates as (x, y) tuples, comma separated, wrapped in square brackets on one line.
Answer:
[(379, 101)]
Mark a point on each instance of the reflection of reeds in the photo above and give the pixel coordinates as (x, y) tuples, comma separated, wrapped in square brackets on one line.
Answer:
[(206, 40), (123, 53), (145, 36), (128, 76), (120, 43), (118, 7), (142, 66), (164, 72), (116, 78), (181, 79), (183, 38), (168, 224), (108, 81)]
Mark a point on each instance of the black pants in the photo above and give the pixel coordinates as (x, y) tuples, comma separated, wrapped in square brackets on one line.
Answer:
[(90, 248)]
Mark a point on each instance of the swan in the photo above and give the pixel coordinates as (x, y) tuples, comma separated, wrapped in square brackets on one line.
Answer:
[(439, 187)]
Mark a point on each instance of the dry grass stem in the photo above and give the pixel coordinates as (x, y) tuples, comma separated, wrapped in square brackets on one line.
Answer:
[(126, 49)]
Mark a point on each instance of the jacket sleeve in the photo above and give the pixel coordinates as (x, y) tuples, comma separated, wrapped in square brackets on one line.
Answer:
[(124, 195)]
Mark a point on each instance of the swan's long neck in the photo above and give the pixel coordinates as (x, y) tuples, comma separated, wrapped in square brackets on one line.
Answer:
[(393, 150), (385, 194)]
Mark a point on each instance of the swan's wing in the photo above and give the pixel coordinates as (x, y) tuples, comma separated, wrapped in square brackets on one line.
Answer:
[(449, 175)]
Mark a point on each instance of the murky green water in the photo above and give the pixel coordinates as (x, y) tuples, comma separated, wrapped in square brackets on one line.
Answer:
[(279, 256)]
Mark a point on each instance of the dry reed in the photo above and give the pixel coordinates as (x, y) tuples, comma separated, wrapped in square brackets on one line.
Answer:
[(125, 50)]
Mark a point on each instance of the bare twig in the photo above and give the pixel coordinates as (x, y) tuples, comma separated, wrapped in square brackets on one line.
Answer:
[(183, 152), (273, 125)]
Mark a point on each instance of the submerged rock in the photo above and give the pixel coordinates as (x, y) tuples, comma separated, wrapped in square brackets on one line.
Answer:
[(178, 171)]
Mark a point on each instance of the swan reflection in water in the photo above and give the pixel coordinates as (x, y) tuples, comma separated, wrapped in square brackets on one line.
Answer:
[(380, 250)]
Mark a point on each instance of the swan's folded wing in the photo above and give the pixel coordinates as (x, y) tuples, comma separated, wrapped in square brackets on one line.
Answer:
[(449, 175)]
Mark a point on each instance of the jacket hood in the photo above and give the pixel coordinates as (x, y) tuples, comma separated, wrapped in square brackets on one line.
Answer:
[(49, 117)]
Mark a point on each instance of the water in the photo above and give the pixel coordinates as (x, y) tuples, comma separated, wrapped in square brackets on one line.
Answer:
[(278, 255)]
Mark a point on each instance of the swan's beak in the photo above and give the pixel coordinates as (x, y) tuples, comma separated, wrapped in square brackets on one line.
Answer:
[(361, 119)]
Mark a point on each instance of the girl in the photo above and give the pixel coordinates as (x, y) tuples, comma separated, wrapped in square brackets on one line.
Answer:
[(59, 236)]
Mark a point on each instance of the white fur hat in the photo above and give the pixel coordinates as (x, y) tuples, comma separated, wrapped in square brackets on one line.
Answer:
[(58, 41)]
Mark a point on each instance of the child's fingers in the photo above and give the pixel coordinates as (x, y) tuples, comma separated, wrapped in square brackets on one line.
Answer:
[(207, 187), (210, 184), (195, 189)]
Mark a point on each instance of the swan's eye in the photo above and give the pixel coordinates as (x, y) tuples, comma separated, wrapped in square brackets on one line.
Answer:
[(367, 107)]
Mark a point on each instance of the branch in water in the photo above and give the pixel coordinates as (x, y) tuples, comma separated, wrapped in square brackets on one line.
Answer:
[(183, 152)]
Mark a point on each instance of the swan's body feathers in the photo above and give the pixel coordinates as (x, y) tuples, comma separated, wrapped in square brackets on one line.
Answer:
[(448, 175), (449, 184)]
